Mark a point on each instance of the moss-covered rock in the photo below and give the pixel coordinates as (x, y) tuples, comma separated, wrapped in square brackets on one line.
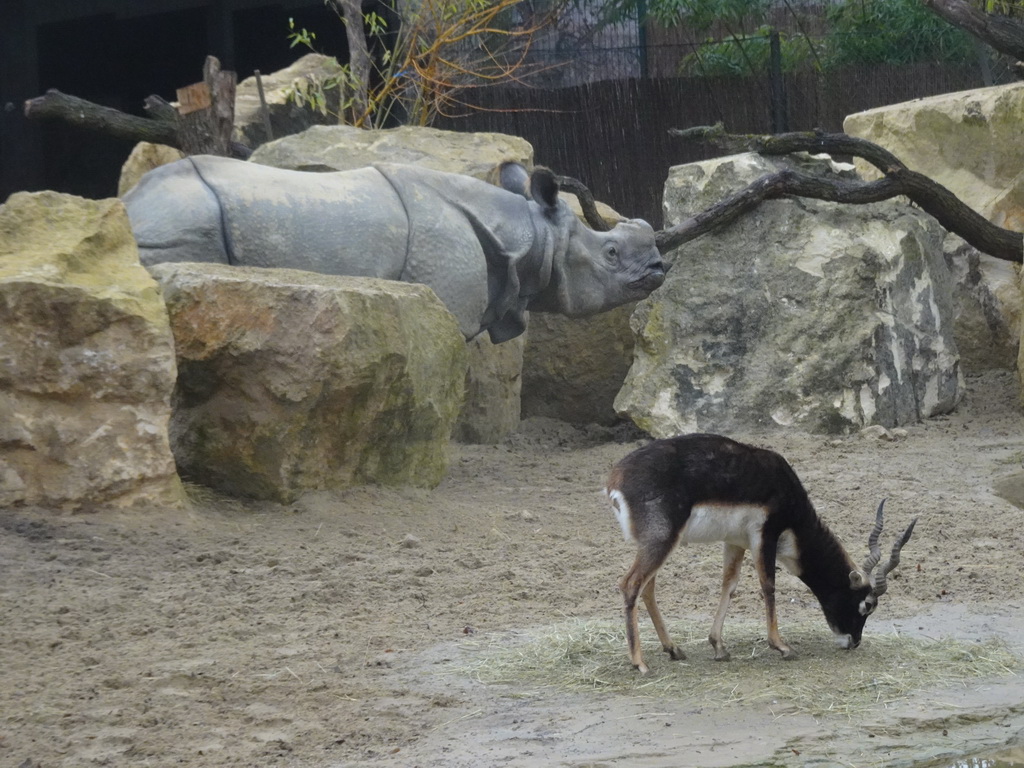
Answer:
[(293, 381), (87, 361)]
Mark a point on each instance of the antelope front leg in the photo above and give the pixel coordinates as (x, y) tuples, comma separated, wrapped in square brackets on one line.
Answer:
[(730, 577), (674, 651), (765, 563)]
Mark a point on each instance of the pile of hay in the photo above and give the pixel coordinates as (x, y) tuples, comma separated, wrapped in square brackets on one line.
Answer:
[(591, 655)]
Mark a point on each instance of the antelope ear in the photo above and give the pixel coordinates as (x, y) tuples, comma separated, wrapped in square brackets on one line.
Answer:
[(858, 580)]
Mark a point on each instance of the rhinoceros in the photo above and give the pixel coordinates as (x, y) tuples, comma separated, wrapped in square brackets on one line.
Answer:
[(490, 253)]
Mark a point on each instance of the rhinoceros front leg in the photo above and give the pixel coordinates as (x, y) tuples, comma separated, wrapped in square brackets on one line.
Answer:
[(175, 216)]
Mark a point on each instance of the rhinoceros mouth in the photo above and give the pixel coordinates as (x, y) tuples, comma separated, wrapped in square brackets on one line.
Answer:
[(653, 279)]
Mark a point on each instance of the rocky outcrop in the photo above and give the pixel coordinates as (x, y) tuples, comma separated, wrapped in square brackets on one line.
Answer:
[(492, 403), (970, 143), (86, 359), (808, 314), (292, 381), (344, 148), (287, 115), (574, 367)]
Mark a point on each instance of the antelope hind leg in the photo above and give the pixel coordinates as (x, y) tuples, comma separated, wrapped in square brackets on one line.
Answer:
[(648, 560), (674, 651)]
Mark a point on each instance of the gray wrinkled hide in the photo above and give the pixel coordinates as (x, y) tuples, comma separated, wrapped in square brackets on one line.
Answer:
[(489, 254)]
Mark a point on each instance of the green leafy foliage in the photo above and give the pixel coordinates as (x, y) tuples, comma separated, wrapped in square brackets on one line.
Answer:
[(858, 32), (892, 32), (746, 55), (703, 14)]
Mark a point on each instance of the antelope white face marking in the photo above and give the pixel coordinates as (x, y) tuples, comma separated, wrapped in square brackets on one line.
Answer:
[(867, 605), (844, 641), (622, 513)]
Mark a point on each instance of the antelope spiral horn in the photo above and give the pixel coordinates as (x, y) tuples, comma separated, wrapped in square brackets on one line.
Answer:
[(874, 551), (880, 582)]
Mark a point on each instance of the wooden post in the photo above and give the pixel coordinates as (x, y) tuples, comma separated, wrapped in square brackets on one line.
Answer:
[(264, 109), (207, 112), (780, 108)]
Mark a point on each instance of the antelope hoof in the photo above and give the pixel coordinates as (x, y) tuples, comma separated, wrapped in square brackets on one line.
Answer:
[(641, 668), (788, 654), (675, 653), (722, 655)]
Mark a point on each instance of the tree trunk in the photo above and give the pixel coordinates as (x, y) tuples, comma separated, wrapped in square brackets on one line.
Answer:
[(1003, 33), (358, 56), (207, 112)]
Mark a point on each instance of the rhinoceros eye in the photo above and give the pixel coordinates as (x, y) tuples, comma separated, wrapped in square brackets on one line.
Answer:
[(611, 253)]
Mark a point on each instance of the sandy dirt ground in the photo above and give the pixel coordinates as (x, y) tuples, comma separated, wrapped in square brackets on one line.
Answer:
[(312, 634)]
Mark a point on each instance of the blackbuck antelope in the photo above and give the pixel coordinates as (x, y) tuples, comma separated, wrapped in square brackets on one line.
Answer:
[(706, 488)]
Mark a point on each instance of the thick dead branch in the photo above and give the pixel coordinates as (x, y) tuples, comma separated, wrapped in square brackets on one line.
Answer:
[(165, 125), (160, 109), (54, 105), (587, 203), (932, 197)]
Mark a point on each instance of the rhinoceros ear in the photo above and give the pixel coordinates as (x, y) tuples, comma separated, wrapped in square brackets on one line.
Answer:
[(515, 178), (544, 188)]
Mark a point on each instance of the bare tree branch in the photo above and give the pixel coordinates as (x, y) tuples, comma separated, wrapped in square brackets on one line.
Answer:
[(161, 128), (1003, 33), (932, 197)]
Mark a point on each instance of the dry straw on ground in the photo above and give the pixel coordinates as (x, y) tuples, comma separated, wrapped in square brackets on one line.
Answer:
[(579, 655)]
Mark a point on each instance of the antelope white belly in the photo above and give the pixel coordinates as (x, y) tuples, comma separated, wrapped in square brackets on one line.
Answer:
[(736, 524), (741, 526)]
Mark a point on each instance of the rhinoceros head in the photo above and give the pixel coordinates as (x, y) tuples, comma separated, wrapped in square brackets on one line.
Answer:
[(590, 271)]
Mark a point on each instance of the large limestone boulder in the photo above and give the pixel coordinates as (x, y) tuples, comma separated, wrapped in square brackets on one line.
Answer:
[(493, 384), (292, 381), (287, 115), (574, 367), (343, 148), (806, 314), (86, 359), (970, 142)]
